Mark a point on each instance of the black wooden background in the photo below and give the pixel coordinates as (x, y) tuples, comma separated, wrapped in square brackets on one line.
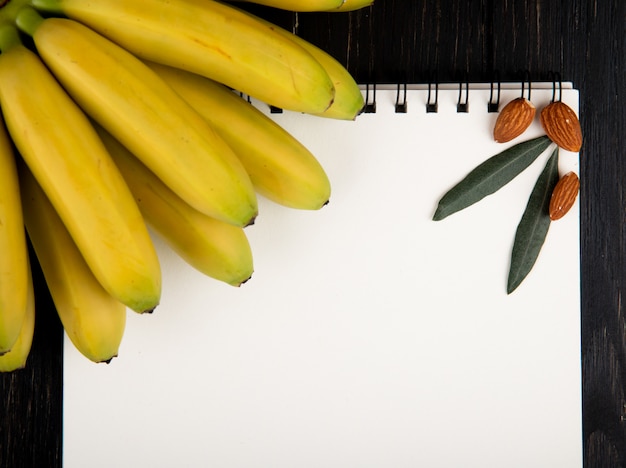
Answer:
[(454, 40)]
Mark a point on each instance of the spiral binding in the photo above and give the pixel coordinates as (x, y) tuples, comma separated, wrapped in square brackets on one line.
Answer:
[(462, 105), (526, 78), (432, 103), (494, 96), (556, 77), (275, 110), (401, 101), (463, 101), (370, 99)]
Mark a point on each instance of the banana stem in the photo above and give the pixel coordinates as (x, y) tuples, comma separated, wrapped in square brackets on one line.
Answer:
[(9, 37), (49, 6), (28, 20)]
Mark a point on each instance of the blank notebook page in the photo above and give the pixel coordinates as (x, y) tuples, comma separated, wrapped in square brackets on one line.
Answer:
[(369, 335)]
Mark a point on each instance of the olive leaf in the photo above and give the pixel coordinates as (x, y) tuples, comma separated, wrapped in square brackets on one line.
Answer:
[(490, 176), (533, 227)]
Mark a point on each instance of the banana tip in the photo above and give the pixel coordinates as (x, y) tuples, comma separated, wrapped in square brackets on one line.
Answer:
[(251, 221), (107, 361), (244, 281)]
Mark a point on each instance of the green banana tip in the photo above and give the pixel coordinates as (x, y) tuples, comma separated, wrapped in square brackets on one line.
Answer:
[(241, 283), (251, 221)]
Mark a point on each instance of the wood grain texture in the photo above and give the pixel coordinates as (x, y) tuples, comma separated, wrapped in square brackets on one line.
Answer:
[(31, 398), (454, 40)]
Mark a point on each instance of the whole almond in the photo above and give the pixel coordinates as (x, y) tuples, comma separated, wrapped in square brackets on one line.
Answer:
[(562, 126), (513, 120), (564, 195)]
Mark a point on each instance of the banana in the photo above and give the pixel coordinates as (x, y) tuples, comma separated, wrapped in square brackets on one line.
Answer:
[(217, 249), (18, 355), (67, 158), (132, 103), (300, 5), (280, 167), (93, 320), (14, 273), (351, 5), (211, 39), (349, 101)]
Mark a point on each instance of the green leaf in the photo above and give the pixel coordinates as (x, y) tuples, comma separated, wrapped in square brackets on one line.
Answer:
[(533, 227), (490, 176)]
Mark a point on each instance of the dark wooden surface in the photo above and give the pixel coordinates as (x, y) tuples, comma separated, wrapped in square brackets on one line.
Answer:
[(455, 40)]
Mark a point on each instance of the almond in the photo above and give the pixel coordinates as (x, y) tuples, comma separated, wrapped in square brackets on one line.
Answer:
[(562, 126), (513, 120), (564, 195)]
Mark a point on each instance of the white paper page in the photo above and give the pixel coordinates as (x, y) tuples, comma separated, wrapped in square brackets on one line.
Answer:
[(369, 335)]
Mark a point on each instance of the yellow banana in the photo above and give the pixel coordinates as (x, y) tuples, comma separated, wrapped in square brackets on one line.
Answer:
[(280, 167), (18, 355), (349, 100), (131, 102), (211, 39), (351, 5), (217, 249), (93, 320), (67, 158), (300, 5), (14, 274)]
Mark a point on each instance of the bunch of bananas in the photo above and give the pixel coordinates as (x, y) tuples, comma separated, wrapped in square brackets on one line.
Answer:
[(120, 115)]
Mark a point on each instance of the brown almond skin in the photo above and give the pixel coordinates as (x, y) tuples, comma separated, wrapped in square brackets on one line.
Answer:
[(564, 195), (562, 126), (513, 120)]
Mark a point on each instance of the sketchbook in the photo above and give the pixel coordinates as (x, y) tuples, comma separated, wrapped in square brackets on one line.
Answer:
[(370, 335)]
